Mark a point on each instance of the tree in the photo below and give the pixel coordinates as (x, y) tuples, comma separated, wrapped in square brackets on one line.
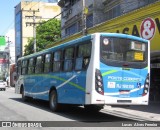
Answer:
[(47, 33), (29, 47)]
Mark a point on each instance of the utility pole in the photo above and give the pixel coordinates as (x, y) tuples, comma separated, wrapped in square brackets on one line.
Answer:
[(8, 76), (34, 23), (83, 18), (34, 31)]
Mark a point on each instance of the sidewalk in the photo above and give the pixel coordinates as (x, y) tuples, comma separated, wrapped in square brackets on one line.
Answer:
[(148, 113)]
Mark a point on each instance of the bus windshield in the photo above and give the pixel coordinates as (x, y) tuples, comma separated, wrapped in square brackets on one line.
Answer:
[(120, 51)]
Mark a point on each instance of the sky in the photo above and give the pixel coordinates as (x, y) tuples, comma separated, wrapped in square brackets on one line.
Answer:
[(7, 15), (7, 22)]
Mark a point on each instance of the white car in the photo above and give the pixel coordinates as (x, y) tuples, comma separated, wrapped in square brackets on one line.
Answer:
[(2, 85)]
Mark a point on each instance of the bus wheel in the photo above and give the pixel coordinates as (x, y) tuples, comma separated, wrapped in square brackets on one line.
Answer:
[(53, 103), (24, 98)]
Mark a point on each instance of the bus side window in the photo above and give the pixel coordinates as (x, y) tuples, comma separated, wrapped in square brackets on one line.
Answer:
[(31, 66), (24, 67), (57, 61), (83, 56), (19, 68), (47, 62), (68, 59), (38, 65), (79, 63)]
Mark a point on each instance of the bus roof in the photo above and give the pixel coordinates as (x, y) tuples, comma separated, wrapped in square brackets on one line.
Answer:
[(85, 38), (124, 36), (82, 39)]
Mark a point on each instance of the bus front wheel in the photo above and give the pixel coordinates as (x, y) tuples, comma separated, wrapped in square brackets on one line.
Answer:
[(53, 101)]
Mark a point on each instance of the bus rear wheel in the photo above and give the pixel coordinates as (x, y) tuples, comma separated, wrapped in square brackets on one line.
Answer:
[(24, 98), (53, 101)]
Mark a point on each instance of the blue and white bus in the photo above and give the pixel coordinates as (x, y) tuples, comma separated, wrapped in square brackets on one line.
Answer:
[(93, 71)]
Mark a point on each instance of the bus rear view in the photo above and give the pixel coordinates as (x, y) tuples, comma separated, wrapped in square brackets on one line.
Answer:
[(122, 76)]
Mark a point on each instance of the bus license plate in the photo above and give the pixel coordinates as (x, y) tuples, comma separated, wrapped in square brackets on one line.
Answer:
[(124, 92)]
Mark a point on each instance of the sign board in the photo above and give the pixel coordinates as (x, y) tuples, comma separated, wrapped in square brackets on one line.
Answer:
[(2, 41)]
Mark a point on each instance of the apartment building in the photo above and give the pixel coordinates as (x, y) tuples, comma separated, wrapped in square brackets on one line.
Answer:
[(27, 16), (98, 11)]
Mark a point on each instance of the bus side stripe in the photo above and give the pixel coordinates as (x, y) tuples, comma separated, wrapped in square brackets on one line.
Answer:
[(64, 80), (71, 83), (67, 81), (109, 72)]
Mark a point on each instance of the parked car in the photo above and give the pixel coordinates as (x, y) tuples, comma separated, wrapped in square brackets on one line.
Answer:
[(2, 85)]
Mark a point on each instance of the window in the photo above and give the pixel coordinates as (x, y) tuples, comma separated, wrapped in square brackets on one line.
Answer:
[(120, 51), (47, 63), (19, 68), (68, 59), (24, 66), (72, 29), (31, 66), (112, 9), (38, 67), (57, 61), (73, 2), (89, 21), (83, 56)]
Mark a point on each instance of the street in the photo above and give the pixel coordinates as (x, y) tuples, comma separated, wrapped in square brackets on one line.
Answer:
[(12, 108)]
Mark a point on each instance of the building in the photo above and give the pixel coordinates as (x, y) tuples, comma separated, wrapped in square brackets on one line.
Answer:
[(27, 16), (4, 65), (98, 11)]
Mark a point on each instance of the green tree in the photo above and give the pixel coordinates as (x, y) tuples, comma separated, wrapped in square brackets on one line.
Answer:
[(46, 33), (29, 47)]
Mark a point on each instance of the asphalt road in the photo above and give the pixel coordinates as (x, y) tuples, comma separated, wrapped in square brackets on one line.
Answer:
[(13, 109)]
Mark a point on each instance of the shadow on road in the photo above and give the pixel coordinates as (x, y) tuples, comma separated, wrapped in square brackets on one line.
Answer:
[(151, 108), (74, 112)]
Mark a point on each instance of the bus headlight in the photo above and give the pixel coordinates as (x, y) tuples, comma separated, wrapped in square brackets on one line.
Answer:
[(145, 91), (146, 86), (99, 82), (147, 80), (99, 77)]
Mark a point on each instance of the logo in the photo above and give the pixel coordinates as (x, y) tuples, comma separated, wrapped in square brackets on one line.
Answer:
[(6, 124), (111, 84), (148, 28)]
